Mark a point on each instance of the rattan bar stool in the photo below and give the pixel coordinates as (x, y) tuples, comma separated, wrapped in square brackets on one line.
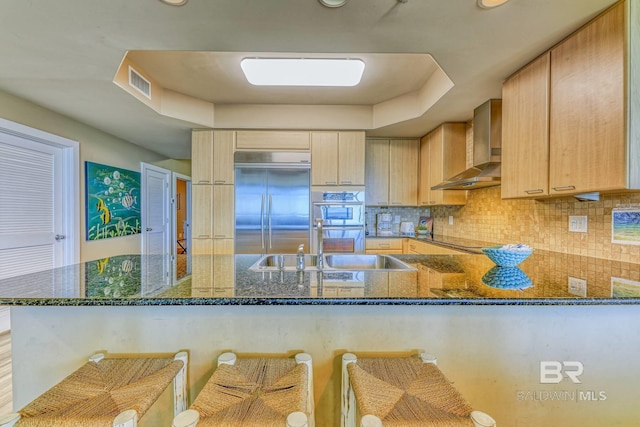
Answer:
[(255, 392), (106, 392), (402, 391)]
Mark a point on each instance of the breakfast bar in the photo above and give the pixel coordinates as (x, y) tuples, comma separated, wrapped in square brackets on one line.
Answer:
[(489, 327)]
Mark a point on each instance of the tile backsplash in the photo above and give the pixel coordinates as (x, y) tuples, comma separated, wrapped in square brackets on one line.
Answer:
[(542, 224), (412, 214)]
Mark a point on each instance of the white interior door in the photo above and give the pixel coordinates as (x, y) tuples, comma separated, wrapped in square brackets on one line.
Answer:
[(156, 228), (39, 193)]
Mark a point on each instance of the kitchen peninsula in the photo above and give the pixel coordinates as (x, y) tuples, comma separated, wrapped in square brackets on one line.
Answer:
[(490, 339)]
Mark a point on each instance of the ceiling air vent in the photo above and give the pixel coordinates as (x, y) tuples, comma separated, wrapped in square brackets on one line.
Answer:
[(139, 83)]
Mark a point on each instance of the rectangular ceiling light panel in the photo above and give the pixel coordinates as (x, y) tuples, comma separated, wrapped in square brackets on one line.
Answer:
[(302, 72)]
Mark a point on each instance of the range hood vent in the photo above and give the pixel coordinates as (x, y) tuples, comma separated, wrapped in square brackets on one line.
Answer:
[(487, 151)]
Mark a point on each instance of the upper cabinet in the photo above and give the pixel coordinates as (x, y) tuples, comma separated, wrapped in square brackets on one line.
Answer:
[(338, 158), (267, 140), (442, 155), (392, 172), (212, 156), (587, 112), (584, 95), (525, 131)]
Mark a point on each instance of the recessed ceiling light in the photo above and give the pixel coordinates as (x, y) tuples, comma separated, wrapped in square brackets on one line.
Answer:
[(488, 4), (333, 3), (302, 72), (175, 2)]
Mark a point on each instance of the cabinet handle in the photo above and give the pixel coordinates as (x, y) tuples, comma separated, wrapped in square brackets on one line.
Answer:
[(383, 245), (536, 191), (219, 236), (345, 182), (219, 181), (382, 202), (330, 182), (565, 188), (204, 181), (396, 203), (206, 236)]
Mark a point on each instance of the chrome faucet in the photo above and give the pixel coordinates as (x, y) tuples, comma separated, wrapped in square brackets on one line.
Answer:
[(320, 250)]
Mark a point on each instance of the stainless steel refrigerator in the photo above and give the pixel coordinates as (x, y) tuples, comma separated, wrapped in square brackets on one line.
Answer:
[(272, 202)]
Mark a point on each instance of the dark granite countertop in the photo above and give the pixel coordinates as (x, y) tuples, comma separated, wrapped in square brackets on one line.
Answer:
[(545, 278)]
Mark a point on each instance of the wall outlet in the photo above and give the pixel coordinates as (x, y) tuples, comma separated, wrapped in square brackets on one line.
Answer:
[(578, 223), (450, 219), (577, 287)]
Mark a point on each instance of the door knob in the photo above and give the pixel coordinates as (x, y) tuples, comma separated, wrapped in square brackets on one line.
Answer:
[(149, 229), (59, 237)]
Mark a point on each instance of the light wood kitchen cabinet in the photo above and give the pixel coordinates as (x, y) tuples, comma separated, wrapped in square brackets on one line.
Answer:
[(593, 146), (588, 145), (273, 140), (377, 172), (392, 172), (212, 157), (202, 211), (337, 158), (442, 155), (223, 212), (382, 245), (525, 131)]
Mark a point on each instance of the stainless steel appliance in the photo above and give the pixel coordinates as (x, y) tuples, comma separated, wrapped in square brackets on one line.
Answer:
[(272, 201), (342, 214)]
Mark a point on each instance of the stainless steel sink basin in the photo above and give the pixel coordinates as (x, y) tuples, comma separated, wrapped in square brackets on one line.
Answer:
[(366, 262), (271, 262), (333, 262)]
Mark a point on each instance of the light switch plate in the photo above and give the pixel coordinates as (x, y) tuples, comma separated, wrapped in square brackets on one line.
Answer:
[(578, 223), (450, 219), (577, 287)]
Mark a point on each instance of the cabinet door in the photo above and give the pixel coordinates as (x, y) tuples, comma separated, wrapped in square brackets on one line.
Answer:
[(324, 158), (351, 158), (223, 211), (377, 172), (525, 131), (202, 211), (202, 157), (223, 147), (447, 157), (272, 140), (424, 183), (403, 172), (587, 124), (454, 153), (435, 164)]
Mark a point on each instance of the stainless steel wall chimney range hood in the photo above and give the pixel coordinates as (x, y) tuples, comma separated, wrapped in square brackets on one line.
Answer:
[(487, 151)]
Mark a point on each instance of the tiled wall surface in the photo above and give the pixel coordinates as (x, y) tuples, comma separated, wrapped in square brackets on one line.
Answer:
[(412, 214), (540, 224)]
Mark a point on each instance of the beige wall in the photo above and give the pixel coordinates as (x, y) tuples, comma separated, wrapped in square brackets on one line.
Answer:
[(541, 224), (95, 146), (490, 353)]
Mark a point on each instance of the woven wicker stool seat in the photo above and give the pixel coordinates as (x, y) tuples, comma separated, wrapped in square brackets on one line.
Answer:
[(402, 392), (256, 392), (106, 392)]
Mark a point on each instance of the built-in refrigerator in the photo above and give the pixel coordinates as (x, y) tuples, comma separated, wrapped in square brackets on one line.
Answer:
[(272, 202)]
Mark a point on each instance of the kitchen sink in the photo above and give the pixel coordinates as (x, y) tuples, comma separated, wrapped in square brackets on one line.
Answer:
[(365, 262), (333, 262), (271, 262)]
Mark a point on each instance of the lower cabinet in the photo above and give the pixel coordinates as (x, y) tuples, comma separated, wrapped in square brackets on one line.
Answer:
[(383, 245), (212, 276)]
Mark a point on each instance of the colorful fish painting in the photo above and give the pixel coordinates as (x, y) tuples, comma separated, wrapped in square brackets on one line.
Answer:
[(112, 206)]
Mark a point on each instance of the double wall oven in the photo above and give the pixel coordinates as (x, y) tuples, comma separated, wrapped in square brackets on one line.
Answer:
[(343, 223)]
